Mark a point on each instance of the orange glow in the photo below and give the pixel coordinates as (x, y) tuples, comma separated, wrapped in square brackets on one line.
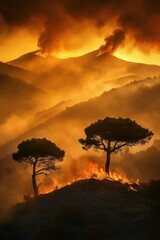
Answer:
[(63, 54), (133, 54), (92, 172), (17, 44), (27, 42)]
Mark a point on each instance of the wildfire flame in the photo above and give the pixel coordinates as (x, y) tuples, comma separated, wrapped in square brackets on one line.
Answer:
[(44, 55), (92, 172)]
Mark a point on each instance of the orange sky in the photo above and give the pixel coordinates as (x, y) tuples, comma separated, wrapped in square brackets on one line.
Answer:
[(23, 42), (73, 28)]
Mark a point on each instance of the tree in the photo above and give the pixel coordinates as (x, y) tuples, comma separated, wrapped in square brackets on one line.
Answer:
[(41, 154), (112, 134)]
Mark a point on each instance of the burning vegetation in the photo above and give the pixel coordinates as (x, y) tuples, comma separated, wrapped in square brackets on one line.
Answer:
[(93, 171), (109, 135)]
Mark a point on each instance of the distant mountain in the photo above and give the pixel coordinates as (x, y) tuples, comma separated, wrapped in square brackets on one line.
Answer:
[(83, 77), (88, 210), (34, 62), (75, 80), (118, 82), (139, 100), (19, 101), (16, 96), (46, 114), (64, 124), (17, 72), (90, 61)]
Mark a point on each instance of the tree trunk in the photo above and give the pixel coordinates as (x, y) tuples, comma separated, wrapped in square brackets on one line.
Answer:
[(108, 157), (107, 162), (34, 183)]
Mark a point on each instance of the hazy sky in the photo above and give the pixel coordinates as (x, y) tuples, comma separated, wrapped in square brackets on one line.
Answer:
[(61, 27)]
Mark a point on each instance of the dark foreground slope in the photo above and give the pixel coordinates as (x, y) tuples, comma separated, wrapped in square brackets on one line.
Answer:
[(88, 209)]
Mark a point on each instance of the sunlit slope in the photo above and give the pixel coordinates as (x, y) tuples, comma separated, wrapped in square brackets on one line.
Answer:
[(139, 100), (16, 96), (72, 80), (17, 72), (19, 101), (85, 76), (34, 62)]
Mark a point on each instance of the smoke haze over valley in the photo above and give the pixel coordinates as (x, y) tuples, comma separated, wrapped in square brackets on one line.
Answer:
[(64, 65), (59, 110)]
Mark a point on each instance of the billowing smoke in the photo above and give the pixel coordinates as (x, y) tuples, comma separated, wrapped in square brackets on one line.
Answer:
[(113, 42), (142, 165), (58, 23)]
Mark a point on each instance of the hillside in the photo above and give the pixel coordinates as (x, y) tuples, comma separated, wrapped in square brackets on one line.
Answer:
[(14, 94), (17, 72), (34, 62), (88, 210), (81, 78), (139, 100), (19, 101), (90, 61)]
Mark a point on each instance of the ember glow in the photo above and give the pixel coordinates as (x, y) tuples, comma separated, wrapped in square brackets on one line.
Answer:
[(93, 171)]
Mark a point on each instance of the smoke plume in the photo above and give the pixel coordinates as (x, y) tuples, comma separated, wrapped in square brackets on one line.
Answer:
[(58, 23), (113, 42)]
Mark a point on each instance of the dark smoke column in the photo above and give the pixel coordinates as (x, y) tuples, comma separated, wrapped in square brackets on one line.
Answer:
[(112, 42)]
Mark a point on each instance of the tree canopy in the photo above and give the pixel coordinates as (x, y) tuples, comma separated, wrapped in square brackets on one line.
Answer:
[(111, 134), (37, 148), (42, 154)]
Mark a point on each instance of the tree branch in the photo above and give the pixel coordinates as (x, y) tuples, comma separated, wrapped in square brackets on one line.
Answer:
[(103, 144), (41, 173), (44, 169), (118, 147), (115, 144), (98, 146), (39, 185), (28, 160), (101, 148)]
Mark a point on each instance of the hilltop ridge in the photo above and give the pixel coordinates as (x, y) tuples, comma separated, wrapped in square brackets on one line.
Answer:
[(87, 209)]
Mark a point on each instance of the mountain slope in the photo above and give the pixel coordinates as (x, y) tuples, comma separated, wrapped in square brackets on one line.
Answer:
[(34, 62), (16, 96), (19, 101), (139, 100), (17, 72), (90, 61), (88, 209), (85, 76)]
